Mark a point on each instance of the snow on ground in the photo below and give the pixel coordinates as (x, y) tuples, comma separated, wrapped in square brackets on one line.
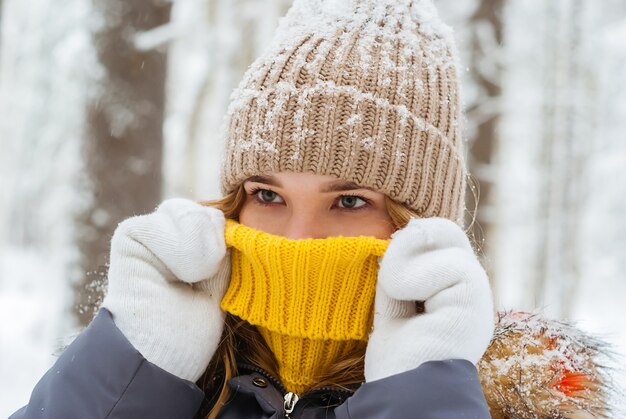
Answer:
[(33, 322)]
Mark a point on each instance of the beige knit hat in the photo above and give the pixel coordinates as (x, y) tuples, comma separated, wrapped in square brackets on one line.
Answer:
[(363, 90)]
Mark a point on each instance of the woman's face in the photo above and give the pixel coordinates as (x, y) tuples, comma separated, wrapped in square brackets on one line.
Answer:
[(305, 205)]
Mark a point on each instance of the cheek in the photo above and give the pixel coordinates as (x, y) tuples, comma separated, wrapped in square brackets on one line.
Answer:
[(248, 215), (384, 229), (376, 224), (254, 216), (381, 225)]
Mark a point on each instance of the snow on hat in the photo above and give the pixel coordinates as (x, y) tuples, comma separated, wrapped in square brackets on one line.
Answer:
[(363, 90)]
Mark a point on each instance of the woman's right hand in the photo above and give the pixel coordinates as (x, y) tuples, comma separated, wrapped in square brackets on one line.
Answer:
[(168, 273)]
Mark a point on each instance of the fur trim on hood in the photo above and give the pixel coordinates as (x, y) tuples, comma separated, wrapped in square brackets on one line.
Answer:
[(540, 368)]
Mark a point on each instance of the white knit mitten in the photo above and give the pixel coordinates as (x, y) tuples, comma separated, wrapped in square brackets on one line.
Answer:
[(168, 273), (429, 260)]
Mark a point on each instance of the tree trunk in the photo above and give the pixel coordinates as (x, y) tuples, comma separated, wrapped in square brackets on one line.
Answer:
[(565, 135), (123, 148), (486, 34)]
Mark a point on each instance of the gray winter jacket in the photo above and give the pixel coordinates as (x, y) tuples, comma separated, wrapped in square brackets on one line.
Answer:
[(101, 375)]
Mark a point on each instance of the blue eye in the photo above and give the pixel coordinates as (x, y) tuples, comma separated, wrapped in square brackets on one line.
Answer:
[(351, 202), (266, 196)]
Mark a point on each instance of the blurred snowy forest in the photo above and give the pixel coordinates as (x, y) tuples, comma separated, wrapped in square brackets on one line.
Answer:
[(109, 106)]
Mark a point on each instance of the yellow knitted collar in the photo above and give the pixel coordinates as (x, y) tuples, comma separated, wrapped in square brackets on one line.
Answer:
[(311, 299)]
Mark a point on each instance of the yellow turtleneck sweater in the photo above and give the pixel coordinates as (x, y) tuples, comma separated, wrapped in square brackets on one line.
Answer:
[(311, 299)]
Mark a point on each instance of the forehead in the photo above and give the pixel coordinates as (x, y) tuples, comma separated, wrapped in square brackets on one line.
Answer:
[(288, 179)]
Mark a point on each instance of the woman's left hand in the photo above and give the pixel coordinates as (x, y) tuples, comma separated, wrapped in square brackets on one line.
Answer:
[(430, 260)]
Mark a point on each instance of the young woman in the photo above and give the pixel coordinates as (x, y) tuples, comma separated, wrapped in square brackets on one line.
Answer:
[(334, 278)]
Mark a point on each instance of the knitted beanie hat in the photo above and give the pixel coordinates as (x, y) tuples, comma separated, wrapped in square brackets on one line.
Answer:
[(363, 90)]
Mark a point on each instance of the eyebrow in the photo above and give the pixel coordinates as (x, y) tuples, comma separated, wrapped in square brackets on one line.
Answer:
[(340, 185), (334, 186)]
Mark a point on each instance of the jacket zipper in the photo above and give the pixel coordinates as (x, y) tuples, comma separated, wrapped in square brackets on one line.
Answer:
[(290, 403), (290, 398)]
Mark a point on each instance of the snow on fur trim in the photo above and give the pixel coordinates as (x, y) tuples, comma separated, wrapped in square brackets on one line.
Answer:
[(542, 368)]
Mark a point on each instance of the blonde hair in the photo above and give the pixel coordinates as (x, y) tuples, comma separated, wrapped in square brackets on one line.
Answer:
[(241, 340)]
